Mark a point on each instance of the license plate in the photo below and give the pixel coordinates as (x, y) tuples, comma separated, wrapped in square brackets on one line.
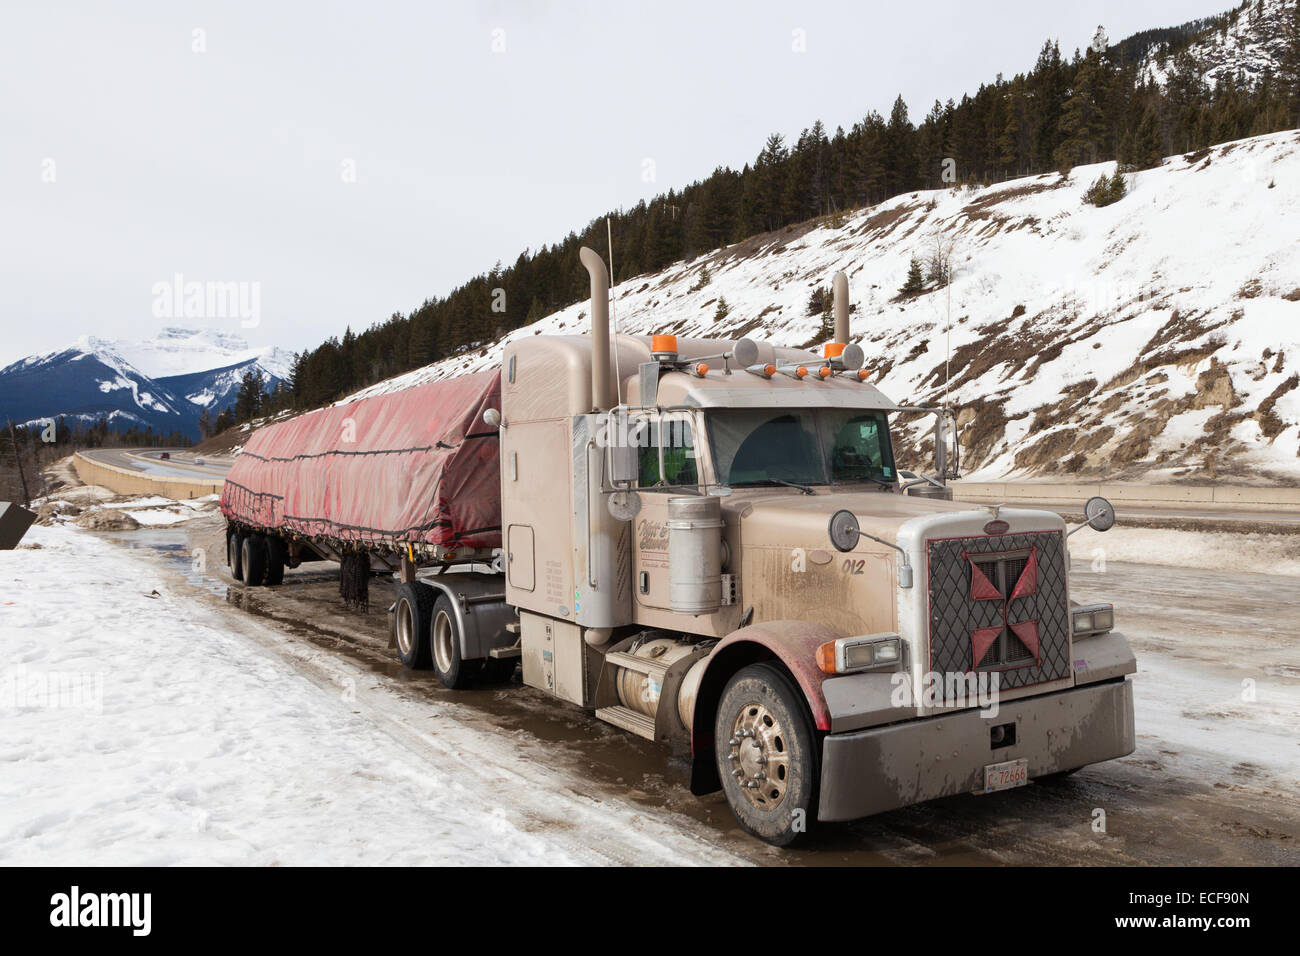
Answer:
[(1006, 775)]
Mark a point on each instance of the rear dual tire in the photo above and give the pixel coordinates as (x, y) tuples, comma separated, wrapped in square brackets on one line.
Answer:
[(256, 559), (235, 554), (412, 614), (453, 670)]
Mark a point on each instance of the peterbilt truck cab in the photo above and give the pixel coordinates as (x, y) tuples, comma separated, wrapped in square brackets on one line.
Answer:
[(707, 543)]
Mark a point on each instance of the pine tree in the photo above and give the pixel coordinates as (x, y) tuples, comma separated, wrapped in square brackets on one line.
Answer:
[(915, 279), (1142, 148), (1082, 122), (1289, 66)]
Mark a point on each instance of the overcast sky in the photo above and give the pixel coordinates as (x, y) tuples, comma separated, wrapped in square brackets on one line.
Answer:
[(355, 158)]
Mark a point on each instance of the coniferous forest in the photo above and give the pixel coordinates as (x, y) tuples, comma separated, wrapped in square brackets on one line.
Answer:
[(1071, 109)]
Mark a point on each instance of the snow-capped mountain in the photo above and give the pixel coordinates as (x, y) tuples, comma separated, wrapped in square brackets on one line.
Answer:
[(1154, 338), (1246, 43), (180, 351), (164, 383)]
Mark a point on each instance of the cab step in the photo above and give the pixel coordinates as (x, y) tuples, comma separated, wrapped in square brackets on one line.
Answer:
[(629, 719)]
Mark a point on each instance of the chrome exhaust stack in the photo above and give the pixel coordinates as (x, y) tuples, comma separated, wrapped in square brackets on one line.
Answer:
[(602, 380)]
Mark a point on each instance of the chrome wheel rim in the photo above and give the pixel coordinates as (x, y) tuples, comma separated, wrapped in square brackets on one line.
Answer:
[(442, 638), (760, 756), (405, 628)]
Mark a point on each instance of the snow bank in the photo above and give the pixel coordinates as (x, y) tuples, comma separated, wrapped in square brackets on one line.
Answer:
[(140, 727)]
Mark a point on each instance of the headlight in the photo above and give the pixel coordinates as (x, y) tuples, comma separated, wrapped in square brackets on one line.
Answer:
[(1092, 619), (848, 654)]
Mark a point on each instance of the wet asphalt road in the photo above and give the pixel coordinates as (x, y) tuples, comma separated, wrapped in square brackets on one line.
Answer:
[(1205, 785)]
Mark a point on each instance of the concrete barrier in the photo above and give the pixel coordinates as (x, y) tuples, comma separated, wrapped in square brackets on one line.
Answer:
[(125, 481), (1224, 497)]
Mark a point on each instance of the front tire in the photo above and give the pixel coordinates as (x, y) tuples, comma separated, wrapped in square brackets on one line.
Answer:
[(767, 755), (454, 671)]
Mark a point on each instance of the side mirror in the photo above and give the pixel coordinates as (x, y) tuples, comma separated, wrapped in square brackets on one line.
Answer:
[(1098, 514), (843, 530), (844, 534)]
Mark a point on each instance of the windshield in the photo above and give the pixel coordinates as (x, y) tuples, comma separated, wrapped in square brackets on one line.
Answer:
[(806, 446)]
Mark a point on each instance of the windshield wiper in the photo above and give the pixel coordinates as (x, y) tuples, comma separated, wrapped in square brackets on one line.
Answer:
[(774, 481)]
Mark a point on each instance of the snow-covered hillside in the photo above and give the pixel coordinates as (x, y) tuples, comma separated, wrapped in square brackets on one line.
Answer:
[(1248, 45), (1155, 338)]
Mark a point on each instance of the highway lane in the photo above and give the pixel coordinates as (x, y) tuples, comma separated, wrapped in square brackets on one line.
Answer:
[(150, 462)]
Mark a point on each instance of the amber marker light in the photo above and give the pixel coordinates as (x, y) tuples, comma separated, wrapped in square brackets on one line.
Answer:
[(825, 371), (701, 370), (849, 654)]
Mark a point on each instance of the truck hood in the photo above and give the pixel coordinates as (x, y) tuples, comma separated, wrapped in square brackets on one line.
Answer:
[(785, 517)]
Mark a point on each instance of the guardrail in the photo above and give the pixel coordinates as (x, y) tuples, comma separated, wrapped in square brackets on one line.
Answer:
[(1237, 497), (125, 481)]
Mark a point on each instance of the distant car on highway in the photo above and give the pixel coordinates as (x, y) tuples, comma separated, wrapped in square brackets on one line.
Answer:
[(198, 461), (166, 456)]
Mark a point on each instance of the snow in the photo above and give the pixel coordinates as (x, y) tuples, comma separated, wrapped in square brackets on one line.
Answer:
[(1250, 46), (142, 727), (1253, 552), (1199, 257), (181, 351)]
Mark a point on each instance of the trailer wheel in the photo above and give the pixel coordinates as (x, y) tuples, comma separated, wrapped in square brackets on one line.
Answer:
[(766, 754), (411, 615), (235, 554), (453, 670), (253, 552), (276, 556)]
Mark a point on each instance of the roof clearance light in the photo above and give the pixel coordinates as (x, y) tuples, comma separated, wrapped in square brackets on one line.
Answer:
[(763, 371), (701, 370), (825, 372), (861, 375)]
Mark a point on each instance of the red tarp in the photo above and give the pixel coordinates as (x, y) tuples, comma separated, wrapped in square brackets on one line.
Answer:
[(418, 465)]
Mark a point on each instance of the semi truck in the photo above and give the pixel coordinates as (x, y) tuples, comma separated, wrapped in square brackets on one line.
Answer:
[(707, 543)]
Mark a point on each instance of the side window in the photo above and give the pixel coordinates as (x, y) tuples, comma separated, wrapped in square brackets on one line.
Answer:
[(674, 438), (860, 451)]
